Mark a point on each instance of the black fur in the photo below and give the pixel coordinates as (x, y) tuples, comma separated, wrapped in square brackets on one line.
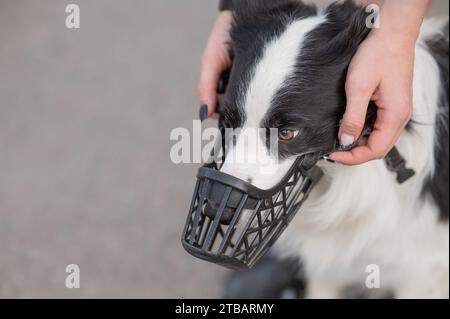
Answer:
[(255, 23), (437, 185), (317, 88), (317, 91), (313, 100)]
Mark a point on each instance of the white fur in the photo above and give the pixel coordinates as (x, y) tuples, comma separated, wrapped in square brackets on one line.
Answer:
[(358, 216), (270, 73), (276, 65)]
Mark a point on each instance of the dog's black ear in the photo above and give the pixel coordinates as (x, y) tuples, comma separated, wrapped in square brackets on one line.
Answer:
[(357, 28), (353, 22), (335, 42)]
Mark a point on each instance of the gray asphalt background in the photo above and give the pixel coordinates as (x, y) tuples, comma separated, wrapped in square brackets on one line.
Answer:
[(85, 174)]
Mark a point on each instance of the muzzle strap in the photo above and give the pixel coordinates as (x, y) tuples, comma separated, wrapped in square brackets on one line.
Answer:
[(396, 163)]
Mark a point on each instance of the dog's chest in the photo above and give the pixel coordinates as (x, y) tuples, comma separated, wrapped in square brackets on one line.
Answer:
[(348, 254)]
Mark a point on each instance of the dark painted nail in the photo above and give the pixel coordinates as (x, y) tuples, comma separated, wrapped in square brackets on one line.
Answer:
[(328, 159), (203, 113)]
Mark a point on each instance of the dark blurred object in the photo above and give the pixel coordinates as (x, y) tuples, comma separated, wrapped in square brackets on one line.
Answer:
[(271, 278), (223, 82)]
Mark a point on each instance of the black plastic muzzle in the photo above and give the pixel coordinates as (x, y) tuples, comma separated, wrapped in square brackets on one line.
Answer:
[(233, 223)]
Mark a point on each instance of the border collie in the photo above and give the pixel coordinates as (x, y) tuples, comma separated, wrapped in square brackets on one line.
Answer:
[(289, 69)]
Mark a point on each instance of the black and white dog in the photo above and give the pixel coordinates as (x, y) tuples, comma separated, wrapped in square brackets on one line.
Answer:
[(289, 70)]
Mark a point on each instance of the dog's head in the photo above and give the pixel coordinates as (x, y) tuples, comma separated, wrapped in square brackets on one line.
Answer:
[(289, 69)]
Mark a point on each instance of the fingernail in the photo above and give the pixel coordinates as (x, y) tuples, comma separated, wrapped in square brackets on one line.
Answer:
[(203, 113), (346, 140), (328, 159)]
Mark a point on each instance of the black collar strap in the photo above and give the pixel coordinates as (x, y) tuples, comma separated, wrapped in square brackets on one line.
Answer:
[(396, 163)]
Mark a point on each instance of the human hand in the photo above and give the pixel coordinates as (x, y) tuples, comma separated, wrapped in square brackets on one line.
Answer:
[(216, 59), (381, 71)]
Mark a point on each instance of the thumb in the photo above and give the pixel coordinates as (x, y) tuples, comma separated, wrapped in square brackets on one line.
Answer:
[(358, 99)]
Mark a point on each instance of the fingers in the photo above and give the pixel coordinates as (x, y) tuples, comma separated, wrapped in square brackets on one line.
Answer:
[(359, 90), (388, 128), (376, 148), (215, 60), (210, 73)]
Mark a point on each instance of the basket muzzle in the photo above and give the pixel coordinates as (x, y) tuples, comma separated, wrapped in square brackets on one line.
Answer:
[(233, 223)]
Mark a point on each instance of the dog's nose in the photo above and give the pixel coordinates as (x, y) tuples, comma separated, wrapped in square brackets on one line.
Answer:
[(212, 209)]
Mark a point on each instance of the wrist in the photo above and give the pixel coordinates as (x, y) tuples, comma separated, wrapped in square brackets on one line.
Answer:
[(369, 2), (400, 21)]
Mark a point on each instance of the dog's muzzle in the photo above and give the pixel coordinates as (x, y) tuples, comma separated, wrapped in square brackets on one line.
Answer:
[(233, 223)]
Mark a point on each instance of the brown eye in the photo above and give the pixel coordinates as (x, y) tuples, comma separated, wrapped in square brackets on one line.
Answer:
[(287, 135)]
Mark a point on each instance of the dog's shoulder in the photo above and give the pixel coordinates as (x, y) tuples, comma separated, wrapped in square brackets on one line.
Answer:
[(436, 37)]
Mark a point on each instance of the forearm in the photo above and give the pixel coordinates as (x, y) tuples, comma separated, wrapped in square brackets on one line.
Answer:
[(400, 17)]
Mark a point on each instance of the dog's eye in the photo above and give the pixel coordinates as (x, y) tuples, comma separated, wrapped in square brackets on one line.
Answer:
[(287, 135)]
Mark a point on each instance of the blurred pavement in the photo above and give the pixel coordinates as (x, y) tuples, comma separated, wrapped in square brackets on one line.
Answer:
[(85, 174)]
